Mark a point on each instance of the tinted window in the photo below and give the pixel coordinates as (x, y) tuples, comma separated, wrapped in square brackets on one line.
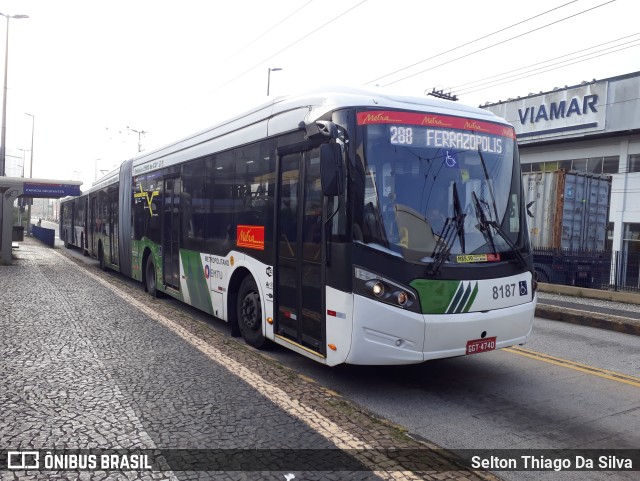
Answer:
[(220, 226), (195, 204)]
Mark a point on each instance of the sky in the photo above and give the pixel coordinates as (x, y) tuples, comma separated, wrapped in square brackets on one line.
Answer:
[(96, 74)]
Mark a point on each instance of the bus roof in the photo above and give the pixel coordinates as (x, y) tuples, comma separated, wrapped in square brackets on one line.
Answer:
[(305, 107)]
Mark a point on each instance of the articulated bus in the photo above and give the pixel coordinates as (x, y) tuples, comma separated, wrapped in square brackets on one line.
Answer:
[(349, 226)]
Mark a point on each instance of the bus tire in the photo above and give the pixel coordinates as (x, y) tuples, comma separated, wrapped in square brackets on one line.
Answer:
[(150, 277), (85, 250), (249, 312), (103, 264)]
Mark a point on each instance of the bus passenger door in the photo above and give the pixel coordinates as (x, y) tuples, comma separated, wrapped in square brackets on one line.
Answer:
[(171, 232), (112, 198), (299, 278), (93, 250)]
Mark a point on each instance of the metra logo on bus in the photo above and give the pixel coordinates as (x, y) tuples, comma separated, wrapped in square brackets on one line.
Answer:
[(473, 125), (250, 236), (432, 120), (378, 117), (559, 110), (508, 132)]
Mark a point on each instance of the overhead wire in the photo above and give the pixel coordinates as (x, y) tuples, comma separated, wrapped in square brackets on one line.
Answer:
[(289, 46), (550, 70), (469, 43), (269, 30), (466, 84), (498, 43)]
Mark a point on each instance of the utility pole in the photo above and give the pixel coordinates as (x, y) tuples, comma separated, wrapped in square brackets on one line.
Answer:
[(140, 134)]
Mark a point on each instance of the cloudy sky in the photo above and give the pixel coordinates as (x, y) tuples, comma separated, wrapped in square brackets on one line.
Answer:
[(94, 72)]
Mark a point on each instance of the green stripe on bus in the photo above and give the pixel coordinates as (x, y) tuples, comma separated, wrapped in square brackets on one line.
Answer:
[(471, 299), (435, 296), (456, 299), (197, 283), (463, 301)]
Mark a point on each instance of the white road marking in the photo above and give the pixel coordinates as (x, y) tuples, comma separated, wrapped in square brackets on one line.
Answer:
[(323, 426)]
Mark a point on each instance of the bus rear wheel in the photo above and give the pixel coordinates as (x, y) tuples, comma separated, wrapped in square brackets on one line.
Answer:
[(150, 277), (249, 310), (103, 264)]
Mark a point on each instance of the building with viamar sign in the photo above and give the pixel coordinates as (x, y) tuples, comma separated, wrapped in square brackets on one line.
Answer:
[(594, 128)]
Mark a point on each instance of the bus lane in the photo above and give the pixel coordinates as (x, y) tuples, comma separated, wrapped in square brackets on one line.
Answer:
[(571, 387)]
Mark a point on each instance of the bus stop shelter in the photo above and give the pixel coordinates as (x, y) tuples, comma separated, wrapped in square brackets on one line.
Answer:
[(13, 187)]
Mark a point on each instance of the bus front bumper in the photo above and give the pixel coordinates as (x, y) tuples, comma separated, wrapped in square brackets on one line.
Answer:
[(384, 334)]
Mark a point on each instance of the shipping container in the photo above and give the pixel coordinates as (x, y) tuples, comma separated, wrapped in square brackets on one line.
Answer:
[(567, 209), (568, 215)]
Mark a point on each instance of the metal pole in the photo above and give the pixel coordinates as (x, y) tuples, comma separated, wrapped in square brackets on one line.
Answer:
[(3, 134), (33, 125), (269, 70), (3, 242), (268, 82), (3, 147), (23, 161)]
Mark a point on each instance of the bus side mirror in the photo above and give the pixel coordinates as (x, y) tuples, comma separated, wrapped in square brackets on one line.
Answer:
[(320, 129), (331, 170)]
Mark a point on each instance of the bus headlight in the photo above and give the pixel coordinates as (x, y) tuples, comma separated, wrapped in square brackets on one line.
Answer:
[(377, 287), (402, 298)]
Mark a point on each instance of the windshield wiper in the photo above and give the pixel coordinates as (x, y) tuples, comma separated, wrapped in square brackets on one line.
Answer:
[(452, 226), (443, 246), (484, 224), (484, 228), (457, 209)]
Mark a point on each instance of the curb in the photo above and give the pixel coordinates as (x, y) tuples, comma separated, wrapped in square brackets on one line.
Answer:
[(583, 292), (591, 319)]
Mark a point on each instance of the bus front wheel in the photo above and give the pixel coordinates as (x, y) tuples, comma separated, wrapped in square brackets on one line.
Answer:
[(249, 309)]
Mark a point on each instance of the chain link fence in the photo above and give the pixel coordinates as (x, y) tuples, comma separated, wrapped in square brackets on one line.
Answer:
[(607, 270)]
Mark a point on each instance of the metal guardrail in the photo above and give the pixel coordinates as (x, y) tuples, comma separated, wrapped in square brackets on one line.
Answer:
[(607, 270), (48, 236)]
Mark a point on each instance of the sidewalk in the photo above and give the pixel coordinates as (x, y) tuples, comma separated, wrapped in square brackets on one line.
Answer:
[(614, 311), (91, 362)]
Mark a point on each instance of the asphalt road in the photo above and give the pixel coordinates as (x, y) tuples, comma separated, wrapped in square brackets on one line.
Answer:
[(506, 400), (562, 391)]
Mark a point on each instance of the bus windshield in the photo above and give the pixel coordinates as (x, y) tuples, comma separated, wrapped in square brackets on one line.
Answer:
[(441, 188)]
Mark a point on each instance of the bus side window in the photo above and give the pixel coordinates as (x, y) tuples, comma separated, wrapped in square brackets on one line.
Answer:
[(220, 227)]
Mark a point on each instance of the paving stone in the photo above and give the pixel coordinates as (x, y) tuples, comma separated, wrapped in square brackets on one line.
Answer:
[(84, 369)]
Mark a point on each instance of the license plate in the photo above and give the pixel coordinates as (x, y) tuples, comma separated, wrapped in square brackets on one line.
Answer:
[(481, 345)]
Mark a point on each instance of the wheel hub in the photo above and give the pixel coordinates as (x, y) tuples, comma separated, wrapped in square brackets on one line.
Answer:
[(250, 310)]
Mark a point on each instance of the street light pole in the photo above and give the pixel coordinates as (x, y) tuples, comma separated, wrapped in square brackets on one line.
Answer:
[(3, 140), (3, 134), (33, 126), (96, 169), (269, 70), (23, 162)]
